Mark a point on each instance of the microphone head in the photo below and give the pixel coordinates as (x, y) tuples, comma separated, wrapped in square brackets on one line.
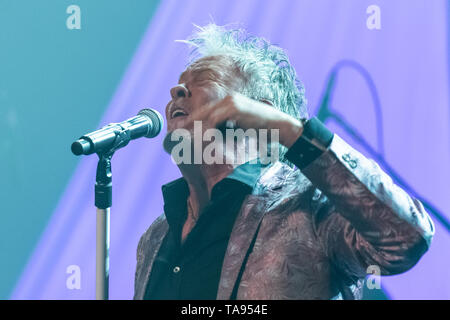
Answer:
[(157, 121), (81, 146)]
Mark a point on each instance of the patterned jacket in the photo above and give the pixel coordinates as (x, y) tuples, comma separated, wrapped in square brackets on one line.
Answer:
[(313, 233)]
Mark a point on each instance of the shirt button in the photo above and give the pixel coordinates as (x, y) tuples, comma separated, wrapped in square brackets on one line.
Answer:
[(176, 269)]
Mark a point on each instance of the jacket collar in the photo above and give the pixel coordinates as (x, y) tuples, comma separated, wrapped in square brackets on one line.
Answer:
[(267, 191)]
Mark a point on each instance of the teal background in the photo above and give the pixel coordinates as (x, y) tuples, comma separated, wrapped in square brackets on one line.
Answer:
[(50, 73)]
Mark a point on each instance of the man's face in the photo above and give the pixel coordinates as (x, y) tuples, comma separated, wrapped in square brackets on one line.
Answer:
[(202, 84)]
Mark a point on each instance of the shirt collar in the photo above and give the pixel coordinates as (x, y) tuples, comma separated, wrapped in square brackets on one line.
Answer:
[(245, 175), (175, 193)]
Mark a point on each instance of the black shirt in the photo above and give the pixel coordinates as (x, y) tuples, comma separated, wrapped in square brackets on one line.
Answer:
[(192, 270)]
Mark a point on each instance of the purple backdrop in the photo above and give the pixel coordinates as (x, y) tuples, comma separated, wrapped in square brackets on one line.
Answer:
[(407, 60)]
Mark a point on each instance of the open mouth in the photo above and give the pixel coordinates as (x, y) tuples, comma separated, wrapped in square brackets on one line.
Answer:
[(178, 112)]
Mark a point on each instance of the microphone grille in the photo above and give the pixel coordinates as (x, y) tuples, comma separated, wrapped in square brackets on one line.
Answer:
[(157, 121)]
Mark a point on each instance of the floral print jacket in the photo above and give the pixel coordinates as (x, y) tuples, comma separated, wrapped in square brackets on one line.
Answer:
[(313, 233)]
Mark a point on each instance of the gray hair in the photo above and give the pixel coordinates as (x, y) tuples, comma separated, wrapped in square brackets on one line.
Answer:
[(267, 72)]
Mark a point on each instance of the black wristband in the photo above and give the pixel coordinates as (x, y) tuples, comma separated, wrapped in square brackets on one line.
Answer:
[(314, 140)]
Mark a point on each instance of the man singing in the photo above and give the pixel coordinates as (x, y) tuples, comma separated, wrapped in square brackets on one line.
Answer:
[(306, 227)]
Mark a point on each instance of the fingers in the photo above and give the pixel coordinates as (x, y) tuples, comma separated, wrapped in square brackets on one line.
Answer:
[(211, 116), (220, 114)]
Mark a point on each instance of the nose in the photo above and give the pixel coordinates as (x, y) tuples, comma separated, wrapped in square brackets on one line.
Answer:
[(179, 91)]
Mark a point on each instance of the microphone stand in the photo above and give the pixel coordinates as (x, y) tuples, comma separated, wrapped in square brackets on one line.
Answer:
[(103, 201), (147, 123)]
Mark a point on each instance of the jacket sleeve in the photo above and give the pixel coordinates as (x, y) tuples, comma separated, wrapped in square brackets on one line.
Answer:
[(363, 219)]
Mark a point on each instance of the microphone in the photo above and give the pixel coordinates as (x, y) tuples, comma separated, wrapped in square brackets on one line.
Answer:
[(147, 123)]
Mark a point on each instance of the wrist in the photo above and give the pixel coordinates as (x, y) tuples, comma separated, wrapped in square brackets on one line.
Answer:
[(290, 131), (314, 140)]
